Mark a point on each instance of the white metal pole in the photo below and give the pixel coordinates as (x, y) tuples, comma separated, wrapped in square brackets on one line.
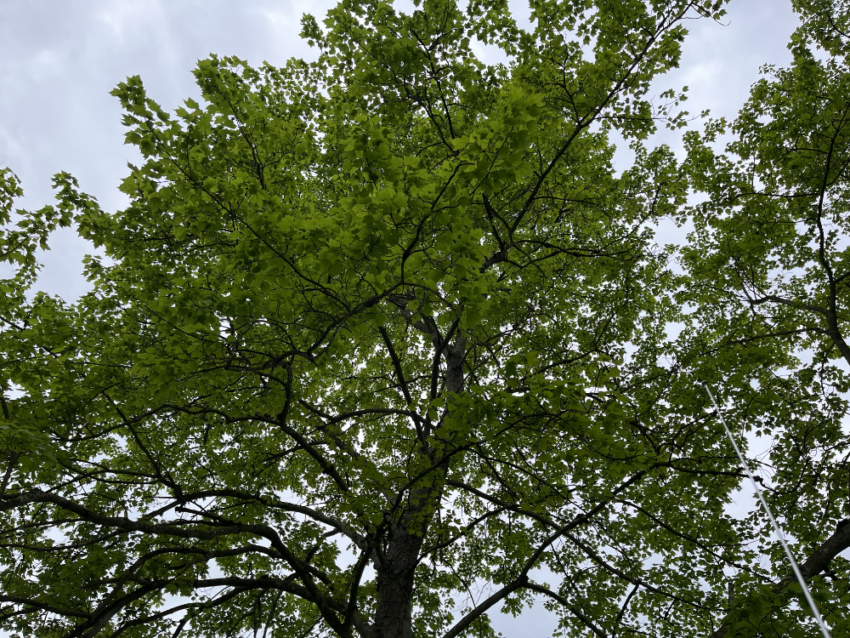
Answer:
[(776, 527)]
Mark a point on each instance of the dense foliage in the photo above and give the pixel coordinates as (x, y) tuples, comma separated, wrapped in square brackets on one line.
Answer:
[(384, 344)]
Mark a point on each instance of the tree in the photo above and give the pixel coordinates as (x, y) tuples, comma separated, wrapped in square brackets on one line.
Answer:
[(769, 267), (375, 332)]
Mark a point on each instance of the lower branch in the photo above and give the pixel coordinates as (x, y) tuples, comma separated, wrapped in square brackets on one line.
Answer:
[(818, 561)]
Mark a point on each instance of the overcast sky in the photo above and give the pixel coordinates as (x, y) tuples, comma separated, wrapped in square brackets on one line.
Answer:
[(59, 59)]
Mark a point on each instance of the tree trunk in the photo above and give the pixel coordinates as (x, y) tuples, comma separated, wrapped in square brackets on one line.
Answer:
[(395, 579), (393, 618)]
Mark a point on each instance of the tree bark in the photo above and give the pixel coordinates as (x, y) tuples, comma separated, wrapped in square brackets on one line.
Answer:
[(394, 617), (395, 578)]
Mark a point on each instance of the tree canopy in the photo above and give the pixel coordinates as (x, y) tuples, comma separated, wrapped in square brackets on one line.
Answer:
[(384, 344)]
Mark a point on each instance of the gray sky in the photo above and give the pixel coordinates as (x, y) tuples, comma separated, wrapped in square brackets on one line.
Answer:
[(59, 60)]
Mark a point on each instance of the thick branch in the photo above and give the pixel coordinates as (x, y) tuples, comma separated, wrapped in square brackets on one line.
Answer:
[(817, 562)]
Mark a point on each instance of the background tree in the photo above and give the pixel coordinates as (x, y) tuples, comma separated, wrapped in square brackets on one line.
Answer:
[(770, 267), (372, 332)]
